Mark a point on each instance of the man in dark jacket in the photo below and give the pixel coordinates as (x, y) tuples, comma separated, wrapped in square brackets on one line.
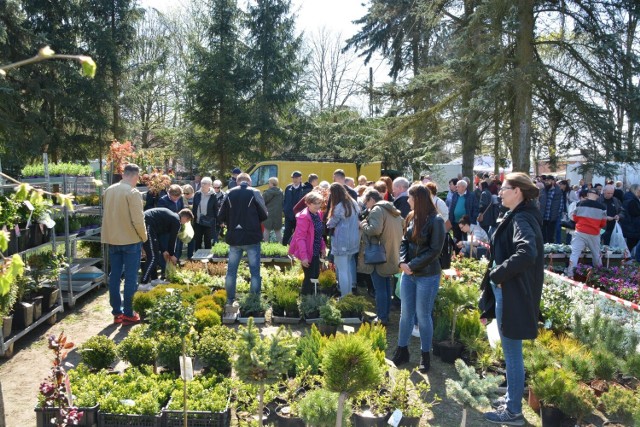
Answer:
[(161, 221), (312, 182), (613, 206), (292, 195), (400, 196), (631, 221), (463, 203), (242, 210), (174, 202), (234, 176), (550, 208)]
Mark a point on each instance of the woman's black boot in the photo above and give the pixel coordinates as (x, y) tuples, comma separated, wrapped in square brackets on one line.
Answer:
[(425, 362), (400, 356)]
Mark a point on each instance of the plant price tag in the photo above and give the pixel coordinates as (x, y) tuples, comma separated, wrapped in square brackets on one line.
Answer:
[(349, 329), (395, 418), (186, 369)]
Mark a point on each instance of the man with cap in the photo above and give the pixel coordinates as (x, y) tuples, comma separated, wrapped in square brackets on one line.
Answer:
[(292, 195), (234, 174), (550, 207)]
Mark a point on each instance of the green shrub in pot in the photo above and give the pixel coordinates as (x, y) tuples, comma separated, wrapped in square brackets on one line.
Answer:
[(354, 305), (319, 408), (214, 349), (578, 402), (98, 352), (551, 384), (308, 357), (605, 364), (252, 305), (310, 305), (621, 404), (137, 349)]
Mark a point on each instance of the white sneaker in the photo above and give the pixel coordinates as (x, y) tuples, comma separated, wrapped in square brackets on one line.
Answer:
[(416, 332)]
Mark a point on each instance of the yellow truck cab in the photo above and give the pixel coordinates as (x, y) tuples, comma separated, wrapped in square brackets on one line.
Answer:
[(282, 169)]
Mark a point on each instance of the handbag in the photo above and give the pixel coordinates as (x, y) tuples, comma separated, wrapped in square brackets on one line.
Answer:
[(374, 253), (487, 301), (206, 221), (447, 251)]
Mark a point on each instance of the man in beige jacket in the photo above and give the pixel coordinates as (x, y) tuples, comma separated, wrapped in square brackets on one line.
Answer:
[(123, 229)]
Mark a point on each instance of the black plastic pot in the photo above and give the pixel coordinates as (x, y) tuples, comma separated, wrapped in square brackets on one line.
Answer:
[(450, 352), (370, 420), (551, 416), (327, 330), (37, 307), (436, 348), (410, 421), (284, 420)]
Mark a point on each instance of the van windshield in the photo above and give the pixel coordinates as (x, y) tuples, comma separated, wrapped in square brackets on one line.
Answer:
[(261, 175)]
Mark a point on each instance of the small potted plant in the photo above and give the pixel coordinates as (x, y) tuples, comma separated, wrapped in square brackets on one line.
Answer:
[(11, 269), (352, 308), (262, 360), (214, 349), (319, 408), (471, 390), (621, 404), (327, 283), (350, 366), (458, 296), (330, 319), (409, 398), (578, 402), (550, 385), (252, 305), (372, 408), (285, 305), (310, 307), (137, 348), (98, 352)]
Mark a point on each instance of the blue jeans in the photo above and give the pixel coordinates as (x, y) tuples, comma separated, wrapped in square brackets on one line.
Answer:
[(417, 296), (123, 258), (513, 358), (382, 285), (344, 265), (253, 256)]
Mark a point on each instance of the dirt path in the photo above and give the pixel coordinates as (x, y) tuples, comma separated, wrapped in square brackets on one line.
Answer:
[(22, 374)]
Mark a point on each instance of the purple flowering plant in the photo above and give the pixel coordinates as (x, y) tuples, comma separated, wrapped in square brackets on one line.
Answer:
[(55, 391), (621, 281)]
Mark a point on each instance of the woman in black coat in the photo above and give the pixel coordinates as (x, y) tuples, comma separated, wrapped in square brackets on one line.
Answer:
[(516, 278)]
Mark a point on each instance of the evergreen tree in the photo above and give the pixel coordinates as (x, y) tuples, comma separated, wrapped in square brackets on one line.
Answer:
[(218, 89), (274, 59)]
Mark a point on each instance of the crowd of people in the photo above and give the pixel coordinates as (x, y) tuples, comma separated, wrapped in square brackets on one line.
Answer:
[(382, 229)]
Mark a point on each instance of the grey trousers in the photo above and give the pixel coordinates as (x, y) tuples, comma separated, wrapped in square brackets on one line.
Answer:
[(578, 243)]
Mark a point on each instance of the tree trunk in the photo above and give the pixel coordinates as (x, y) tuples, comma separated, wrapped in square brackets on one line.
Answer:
[(261, 405), (341, 399), (522, 87)]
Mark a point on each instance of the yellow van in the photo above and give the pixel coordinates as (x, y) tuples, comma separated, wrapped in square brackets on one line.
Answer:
[(282, 169)]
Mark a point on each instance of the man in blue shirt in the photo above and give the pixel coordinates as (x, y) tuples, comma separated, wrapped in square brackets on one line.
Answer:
[(463, 203)]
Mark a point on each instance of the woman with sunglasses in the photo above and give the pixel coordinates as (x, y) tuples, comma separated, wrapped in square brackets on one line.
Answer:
[(516, 273)]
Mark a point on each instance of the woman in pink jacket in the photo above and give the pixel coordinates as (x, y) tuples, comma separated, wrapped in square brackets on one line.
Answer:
[(307, 244)]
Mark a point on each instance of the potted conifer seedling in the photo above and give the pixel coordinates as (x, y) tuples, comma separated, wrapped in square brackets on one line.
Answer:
[(459, 295), (262, 360), (330, 319), (349, 365)]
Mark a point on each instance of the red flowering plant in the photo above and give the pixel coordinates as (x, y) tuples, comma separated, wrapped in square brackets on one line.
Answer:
[(55, 391), (119, 155), (156, 181)]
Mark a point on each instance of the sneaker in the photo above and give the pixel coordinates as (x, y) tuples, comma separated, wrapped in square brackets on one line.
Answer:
[(499, 402), (130, 320), (503, 416), (117, 319), (416, 332)]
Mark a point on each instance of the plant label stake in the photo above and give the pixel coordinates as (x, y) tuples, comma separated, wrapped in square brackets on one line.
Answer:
[(394, 419)]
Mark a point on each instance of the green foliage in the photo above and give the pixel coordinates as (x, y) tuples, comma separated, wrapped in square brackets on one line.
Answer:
[(143, 302), (285, 301), (621, 403), (472, 390), (310, 305), (308, 357), (551, 384), (220, 297), (12, 270), (273, 250), (210, 303), (603, 332), (214, 348), (72, 169), (578, 402), (376, 334), (137, 392), (349, 365), (457, 296), (205, 318), (407, 396), (605, 364), (556, 308), (252, 305), (220, 250), (137, 349), (469, 327), (330, 315), (580, 364), (327, 279), (354, 305), (171, 316), (319, 408), (169, 351), (632, 365), (88, 387), (98, 352), (204, 393), (260, 359)]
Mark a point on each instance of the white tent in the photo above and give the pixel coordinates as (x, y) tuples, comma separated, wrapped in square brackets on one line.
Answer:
[(482, 164)]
